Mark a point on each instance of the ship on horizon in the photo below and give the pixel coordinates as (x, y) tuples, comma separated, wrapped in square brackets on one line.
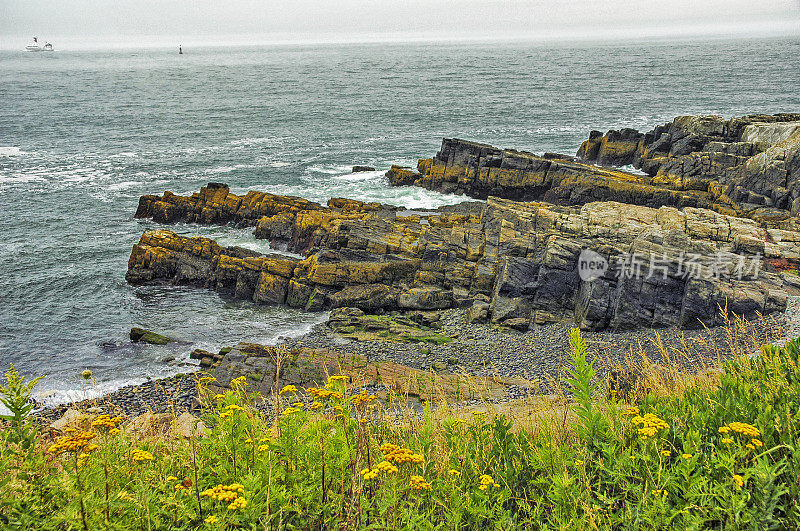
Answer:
[(36, 48)]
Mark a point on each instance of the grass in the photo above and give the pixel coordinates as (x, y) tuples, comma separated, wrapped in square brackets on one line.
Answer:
[(707, 449)]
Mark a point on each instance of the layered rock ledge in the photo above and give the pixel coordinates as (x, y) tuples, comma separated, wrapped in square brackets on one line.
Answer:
[(747, 166), (515, 263), (753, 161)]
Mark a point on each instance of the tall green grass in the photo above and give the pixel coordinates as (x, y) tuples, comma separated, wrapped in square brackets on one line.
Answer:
[(716, 456)]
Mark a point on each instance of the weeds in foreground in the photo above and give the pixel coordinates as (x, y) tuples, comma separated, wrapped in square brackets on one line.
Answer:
[(711, 456)]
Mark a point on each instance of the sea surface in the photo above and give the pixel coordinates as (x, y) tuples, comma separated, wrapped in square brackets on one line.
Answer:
[(84, 133)]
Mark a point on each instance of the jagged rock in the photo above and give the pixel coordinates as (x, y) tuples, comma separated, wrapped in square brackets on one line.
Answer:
[(357, 169), (478, 312), (521, 258), (138, 335), (745, 162), (480, 170), (426, 298), (72, 418)]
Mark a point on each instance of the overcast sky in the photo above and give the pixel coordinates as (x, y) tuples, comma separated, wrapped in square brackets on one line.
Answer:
[(83, 22)]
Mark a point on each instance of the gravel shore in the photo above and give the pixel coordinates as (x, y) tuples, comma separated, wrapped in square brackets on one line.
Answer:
[(538, 354), (477, 349)]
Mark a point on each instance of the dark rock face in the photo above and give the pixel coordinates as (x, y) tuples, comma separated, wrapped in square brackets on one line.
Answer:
[(480, 171), (664, 266), (357, 169), (753, 161), (146, 336)]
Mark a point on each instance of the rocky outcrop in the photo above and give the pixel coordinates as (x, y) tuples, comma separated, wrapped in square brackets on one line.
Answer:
[(602, 265), (480, 171), (146, 336), (753, 161)]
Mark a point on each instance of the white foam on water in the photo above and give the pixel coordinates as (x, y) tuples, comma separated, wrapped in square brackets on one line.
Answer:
[(21, 178), (361, 176), (631, 169), (123, 185), (11, 151), (228, 169)]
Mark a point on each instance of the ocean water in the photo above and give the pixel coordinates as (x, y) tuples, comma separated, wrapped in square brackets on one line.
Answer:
[(84, 134)]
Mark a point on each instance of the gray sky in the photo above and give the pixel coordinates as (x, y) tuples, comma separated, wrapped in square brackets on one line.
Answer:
[(87, 22)]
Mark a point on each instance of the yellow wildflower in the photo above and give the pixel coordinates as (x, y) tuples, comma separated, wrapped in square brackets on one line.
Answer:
[(486, 481), (454, 472), (219, 396), (739, 480), (727, 441), (288, 389), (650, 423), (419, 483), (238, 503), (631, 411), (666, 453), (211, 519), (757, 443), (749, 445), (114, 431), (316, 405), (106, 421), (74, 442), (206, 379), (687, 456), (224, 493), (171, 478), (745, 429), (338, 378), (141, 455), (724, 429)]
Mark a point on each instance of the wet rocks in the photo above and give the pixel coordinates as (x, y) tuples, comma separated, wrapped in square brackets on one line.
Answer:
[(752, 163), (358, 169), (662, 267), (140, 335)]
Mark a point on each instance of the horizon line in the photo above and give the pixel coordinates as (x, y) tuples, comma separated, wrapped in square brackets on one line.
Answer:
[(786, 29)]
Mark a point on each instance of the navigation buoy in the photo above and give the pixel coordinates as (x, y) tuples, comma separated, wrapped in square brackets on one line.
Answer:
[(180, 50)]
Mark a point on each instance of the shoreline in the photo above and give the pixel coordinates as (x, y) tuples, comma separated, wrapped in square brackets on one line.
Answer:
[(478, 349)]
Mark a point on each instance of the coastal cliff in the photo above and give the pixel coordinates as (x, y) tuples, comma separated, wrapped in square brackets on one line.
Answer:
[(753, 160), (748, 166), (514, 263)]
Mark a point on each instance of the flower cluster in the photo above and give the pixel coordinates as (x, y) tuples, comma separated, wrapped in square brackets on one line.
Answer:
[(383, 466), (487, 481), (238, 503), (362, 398), (241, 380), (74, 442), (141, 455), (207, 379), (744, 428), (398, 454), (106, 421), (224, 493), (288, 389), (419, 483), (338, 378), (631, 411), (290, 410), (650, 424), (324, 393)]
